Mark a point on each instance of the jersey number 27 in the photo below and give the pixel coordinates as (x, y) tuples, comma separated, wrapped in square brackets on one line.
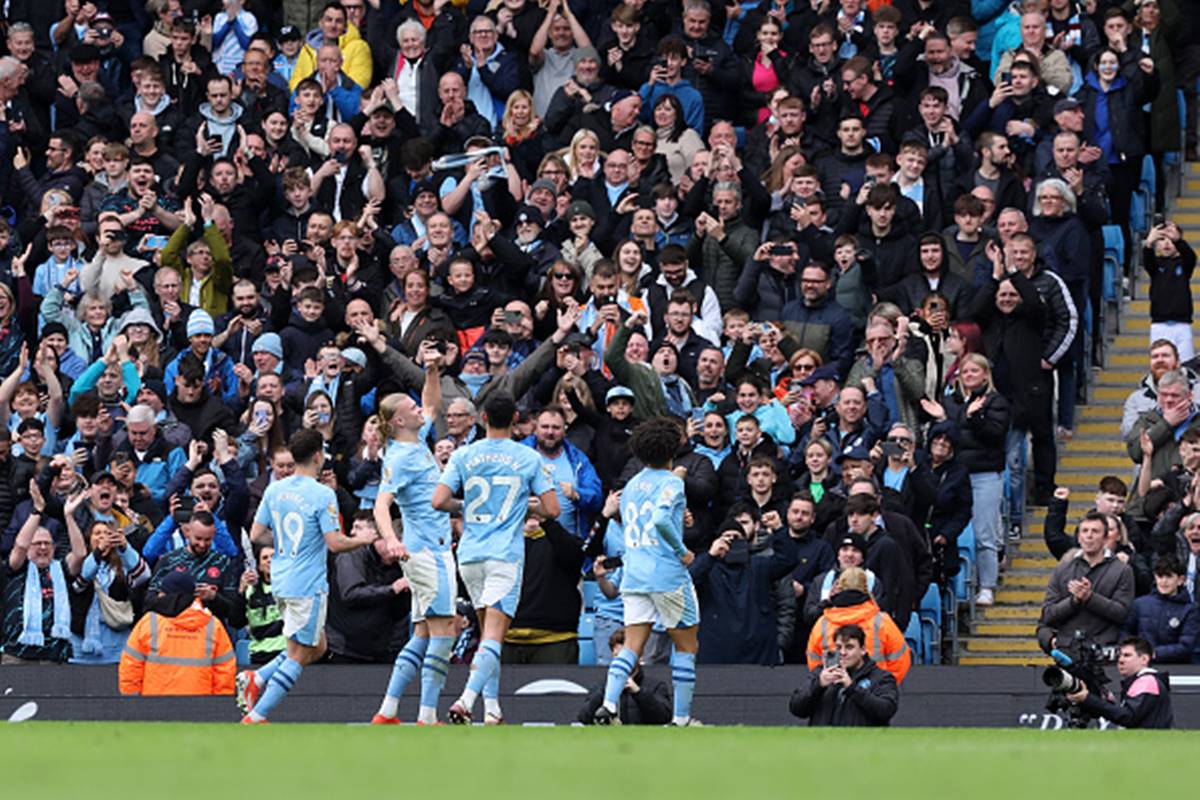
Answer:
[(510, 483)]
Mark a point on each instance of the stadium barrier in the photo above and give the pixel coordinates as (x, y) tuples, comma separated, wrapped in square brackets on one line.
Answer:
[(932, 696)]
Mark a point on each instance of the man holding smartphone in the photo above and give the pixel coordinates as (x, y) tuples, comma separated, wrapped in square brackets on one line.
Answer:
[(848, 689)]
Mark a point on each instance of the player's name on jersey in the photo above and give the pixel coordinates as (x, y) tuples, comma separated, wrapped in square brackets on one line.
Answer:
[(479, 459)]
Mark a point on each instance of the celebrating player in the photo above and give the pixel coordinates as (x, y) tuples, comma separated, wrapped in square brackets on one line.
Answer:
[(409, 477), (496, 476), (656, 583), (299, 516)]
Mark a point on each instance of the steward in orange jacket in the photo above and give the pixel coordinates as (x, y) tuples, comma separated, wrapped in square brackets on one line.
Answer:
[(851, 604), (188, 653)]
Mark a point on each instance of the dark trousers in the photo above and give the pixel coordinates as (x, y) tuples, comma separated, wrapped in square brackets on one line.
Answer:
[(1123, 181)]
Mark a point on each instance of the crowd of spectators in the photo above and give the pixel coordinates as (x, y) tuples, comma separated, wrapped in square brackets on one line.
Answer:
[(848, 245)]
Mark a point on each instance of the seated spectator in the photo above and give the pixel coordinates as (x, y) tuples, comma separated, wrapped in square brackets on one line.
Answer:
[(1164, 358), (847, 689), (1090, 591), (643, 702), (178, 647), (851, 604), (1175, 413)]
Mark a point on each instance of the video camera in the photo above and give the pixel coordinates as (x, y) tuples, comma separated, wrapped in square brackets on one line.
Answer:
[(1079, 664)]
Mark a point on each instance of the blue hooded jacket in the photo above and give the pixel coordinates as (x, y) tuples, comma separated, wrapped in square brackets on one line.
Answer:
[(587, 484)]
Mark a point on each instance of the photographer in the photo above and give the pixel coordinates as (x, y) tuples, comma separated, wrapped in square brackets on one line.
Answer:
[(1145, 700), (643, 702), (848, 689)]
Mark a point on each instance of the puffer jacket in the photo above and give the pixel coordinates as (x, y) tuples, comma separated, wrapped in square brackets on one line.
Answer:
[(884, 642), (185, 655), (982, 434), (1170, 624)]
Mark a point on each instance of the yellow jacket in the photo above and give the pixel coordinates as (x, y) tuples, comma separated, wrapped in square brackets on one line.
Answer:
[(356, 58)]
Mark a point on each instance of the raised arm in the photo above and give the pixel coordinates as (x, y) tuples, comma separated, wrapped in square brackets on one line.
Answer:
[(8, 387)]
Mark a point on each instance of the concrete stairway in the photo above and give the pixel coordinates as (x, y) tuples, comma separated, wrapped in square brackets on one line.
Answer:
[(1005, 633)]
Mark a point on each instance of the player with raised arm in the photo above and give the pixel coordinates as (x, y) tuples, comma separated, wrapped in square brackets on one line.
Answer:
[(299, 517), (656, 583), (496, 477), (410, 474)]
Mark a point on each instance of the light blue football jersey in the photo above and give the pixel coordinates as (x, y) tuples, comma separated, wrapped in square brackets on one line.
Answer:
[(496, 477), (652, 506), (299, 511), (410, 473)]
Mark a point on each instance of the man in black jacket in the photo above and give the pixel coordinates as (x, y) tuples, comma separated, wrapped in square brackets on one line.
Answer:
[(544, 628), (369, 599), (851, 693), (643, 702), (1145, 700)]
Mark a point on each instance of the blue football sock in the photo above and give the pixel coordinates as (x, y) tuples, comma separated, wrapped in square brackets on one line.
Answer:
[(491, 689), (618, 672), (408, 664), (281, 683), (433, 671), (683, 681), (262, 676), (487, 661)]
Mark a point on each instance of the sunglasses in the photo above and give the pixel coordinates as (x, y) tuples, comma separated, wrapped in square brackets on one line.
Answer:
[(563, 276)]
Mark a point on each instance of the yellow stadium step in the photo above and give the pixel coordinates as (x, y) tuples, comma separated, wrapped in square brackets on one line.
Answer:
[(1018, 596), (1045, 562), (1136, 324), (1118, 462), (1128, 360), (1112, 429), (1187, 202), (1186, 218), (1109, 412), (997, 645), (1003, 661), (1010, 613), (1101, 393), (1022, 629), (1032, 547)]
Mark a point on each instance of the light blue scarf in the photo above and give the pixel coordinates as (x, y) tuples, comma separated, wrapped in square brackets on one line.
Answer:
[(31, 606)]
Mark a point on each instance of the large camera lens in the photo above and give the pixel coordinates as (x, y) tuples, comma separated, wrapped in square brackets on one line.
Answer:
[(1059, 680)]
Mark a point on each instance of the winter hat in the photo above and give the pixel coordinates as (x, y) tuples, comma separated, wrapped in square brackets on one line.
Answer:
[(140, 316), (200, 322), (268, 343)]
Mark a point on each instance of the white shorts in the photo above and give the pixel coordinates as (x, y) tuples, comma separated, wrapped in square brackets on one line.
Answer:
[(431, 577), (304, 617), (494, 584), (677, 608)]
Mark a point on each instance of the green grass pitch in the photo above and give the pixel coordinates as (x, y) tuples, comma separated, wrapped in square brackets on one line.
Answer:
[(180, 761)]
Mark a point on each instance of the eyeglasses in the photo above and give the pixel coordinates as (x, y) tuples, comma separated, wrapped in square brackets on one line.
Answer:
[(803, 366), (483, 32), (552, 172), (456, 414), (877, 339), (899, 440), (563, 276)]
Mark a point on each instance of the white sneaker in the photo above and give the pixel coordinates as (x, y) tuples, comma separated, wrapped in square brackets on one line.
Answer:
[(985, 598)]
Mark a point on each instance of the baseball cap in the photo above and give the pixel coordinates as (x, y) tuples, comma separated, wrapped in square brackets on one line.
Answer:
[(83, 53), (825, 372), (855, 453), (355, 356), (530, 214), (289, 33), (1067, 104), (617, 392)]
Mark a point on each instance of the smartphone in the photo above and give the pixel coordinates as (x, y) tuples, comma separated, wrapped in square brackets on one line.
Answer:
[(323, 417), (613, 562), (892, 450), (1160, 220), (1006, 77), (698, 415), (154, 242), (213, 141), (117, 236), (831, 659), (340, 157), (780, 250), (739, 552), (260, 417), (183, 512), (513, 317)]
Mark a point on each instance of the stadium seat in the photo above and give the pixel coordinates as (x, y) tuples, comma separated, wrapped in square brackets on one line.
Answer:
[(587, 646), (930, 616), (242, 648), (912, 635), (590, 594)]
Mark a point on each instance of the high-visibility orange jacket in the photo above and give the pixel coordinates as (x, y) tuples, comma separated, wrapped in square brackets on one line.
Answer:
[(185, 655), (885, 643)]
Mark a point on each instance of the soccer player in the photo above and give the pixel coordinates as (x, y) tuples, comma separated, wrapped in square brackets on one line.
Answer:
[(410, 474), (656, 583), (496, 477), (299, 516)]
